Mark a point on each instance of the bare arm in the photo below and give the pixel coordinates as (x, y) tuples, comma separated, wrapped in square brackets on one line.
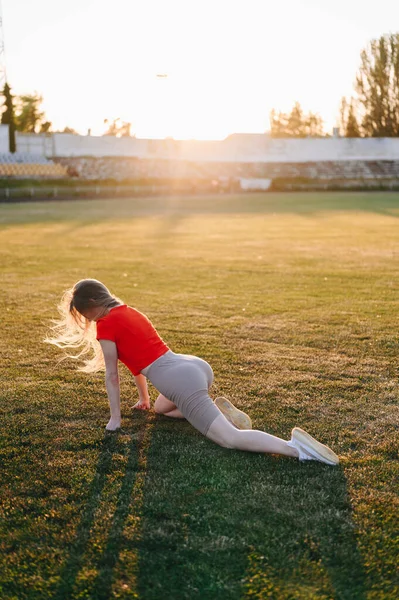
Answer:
[(141, 383), (112, 383), (144, 398)]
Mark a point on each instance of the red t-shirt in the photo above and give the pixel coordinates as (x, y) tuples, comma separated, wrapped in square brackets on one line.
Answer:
[(137, 341)]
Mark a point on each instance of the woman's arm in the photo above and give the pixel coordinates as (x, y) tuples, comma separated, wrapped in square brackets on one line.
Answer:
[(141, 383), (112, 383), (144, 398)]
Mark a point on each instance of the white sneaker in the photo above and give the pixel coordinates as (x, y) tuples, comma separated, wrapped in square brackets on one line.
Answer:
[(237, 417), (310, 449)]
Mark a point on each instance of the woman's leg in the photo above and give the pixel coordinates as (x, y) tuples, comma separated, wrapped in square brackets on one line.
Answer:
[(223, 433), (163, 406)]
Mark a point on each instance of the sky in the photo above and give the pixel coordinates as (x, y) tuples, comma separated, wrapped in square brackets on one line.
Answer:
[(228, 62)]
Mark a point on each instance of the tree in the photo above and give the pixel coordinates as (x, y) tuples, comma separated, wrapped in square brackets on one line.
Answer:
[(8, 117), (352, 126), (45, 127), (30, 118), (377, 87), (118, 128), (295, 124), (66, 130), (69, 130), (349, 126)]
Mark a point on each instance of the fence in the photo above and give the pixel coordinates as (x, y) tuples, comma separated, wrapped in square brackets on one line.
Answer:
[(9, 194)]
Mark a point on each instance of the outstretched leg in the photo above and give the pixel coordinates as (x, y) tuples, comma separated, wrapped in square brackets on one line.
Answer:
[(301, 445), (163, 406), (223, 433)]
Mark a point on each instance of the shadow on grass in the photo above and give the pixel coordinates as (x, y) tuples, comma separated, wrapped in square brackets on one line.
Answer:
[(172, 208), (217, 523), (312, 549), (101, 588)]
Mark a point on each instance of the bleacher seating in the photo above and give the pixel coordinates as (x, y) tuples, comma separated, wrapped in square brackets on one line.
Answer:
[(23, 165), (125, 168)]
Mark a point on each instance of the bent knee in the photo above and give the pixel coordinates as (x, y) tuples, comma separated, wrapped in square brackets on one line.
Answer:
[(159, 406), (161, 409), (162, 405)]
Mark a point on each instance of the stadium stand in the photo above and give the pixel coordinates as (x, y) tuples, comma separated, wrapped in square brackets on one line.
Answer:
[(125, 168), (246, 161), (23, 165)]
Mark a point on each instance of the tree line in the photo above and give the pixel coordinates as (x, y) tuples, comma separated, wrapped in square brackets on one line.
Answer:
[(372, 111), (23, 113)]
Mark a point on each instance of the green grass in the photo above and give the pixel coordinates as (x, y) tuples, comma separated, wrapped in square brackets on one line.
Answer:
[(293, 300)]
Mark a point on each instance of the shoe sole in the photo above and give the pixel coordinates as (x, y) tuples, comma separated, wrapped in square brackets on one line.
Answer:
[(237, 417), (304, 438)]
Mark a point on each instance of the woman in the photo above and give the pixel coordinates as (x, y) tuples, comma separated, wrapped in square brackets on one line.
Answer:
[(94, 320)]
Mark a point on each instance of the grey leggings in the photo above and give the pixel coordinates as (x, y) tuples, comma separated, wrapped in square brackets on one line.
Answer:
[(184, 380)]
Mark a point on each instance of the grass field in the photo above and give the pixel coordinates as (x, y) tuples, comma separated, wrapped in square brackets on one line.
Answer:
[(293, 299)]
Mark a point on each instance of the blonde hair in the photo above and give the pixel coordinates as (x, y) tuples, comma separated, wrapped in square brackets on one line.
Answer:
[(73, 330)]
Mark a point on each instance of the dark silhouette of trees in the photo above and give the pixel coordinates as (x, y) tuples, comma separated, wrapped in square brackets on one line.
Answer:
[(295, 124), (377, 87), (69, 130), (348, 125), (29, 117), (118, 128), (374, 112), (8, 117)]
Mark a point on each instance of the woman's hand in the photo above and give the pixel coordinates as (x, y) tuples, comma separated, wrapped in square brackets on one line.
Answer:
[(143, 404)]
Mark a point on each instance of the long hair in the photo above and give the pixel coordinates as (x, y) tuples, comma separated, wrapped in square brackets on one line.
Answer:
[(73, 330)]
